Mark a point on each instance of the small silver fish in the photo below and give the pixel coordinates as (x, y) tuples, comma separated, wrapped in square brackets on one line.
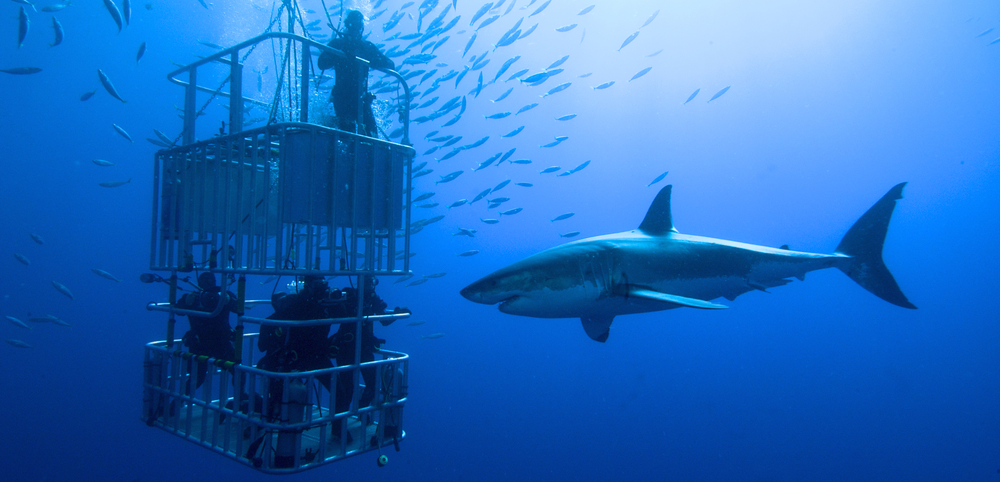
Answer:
[(21, 344), (43, 319), (650, 19), (210, 45), (449, 177), (114, 183), (106, 82), (36, 238), (513, 132), (61, 322), (415, 323), (570, 234), (424, 196), (658, 178), (629, 40), (435, 275), (116, 15), (719, 93), (418, 282), (525, 109), (540, 9), (469, 253), (87, 95), (604, 85), (403, 278), (17, 322), (523, 184), (558, 88), (566, 117), (489, 221), (122, 132), (432, 336), (23, 23), (465, 232), (521, 161), (22, 259), (549, 169), (511, 212), (55, 8), (105, 275), (63, 289), (640, 73), (141, 52), (57, 27), (21, 70), (103, 163), (567, 28), (693, 95), (562, 216)]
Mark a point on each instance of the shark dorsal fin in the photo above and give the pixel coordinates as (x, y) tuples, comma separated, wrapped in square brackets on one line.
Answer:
[(658, 221)]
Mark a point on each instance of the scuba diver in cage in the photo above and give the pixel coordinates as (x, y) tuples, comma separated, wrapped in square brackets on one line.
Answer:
[(352, 76), (307, 348)]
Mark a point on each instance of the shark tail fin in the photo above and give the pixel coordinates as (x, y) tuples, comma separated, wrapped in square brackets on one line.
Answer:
[(863, 243)]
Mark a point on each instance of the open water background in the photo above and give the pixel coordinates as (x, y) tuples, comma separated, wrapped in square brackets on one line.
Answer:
[(832, 103)]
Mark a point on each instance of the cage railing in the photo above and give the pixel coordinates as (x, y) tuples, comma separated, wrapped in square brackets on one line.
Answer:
[(274, 422)]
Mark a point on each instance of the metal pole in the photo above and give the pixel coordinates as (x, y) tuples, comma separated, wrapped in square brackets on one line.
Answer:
[(189, 113)]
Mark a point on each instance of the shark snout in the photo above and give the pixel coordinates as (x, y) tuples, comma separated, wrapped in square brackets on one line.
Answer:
[(483, 291)]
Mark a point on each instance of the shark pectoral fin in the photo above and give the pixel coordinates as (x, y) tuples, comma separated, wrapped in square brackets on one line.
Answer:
[(674, 299), (597, 328)]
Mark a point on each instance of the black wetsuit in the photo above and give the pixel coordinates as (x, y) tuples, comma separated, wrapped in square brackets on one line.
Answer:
[(307, 347), (211, 337), (344, 346), (352, 81)]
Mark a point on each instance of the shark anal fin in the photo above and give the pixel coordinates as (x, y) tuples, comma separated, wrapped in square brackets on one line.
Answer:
[(674, 299), (763, 285), (597, 328)]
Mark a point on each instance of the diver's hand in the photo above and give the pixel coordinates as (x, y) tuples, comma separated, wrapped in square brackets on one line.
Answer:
[(404, 309)]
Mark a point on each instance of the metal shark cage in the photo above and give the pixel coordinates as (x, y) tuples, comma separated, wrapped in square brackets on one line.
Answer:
[(288, 198)]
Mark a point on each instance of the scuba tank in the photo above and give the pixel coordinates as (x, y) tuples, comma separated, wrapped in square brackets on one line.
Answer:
[(293, 412)]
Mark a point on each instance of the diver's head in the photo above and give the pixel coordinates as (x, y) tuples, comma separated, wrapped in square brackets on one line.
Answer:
[(354, 24), (206, 281), (315, 285)]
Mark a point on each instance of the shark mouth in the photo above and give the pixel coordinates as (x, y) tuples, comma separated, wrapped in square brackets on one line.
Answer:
[(504, 303)]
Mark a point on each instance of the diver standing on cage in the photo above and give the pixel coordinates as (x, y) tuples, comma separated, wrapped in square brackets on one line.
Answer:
[(209, 336), (352, 76)]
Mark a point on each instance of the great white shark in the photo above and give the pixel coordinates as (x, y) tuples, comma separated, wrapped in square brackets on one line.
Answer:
[(656, 268)]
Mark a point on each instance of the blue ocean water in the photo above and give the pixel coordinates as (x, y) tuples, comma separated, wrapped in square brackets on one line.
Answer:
[(830, 105)]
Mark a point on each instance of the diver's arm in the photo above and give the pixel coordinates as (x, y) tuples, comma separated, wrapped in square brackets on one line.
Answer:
[(377, 59), (327, 60)]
